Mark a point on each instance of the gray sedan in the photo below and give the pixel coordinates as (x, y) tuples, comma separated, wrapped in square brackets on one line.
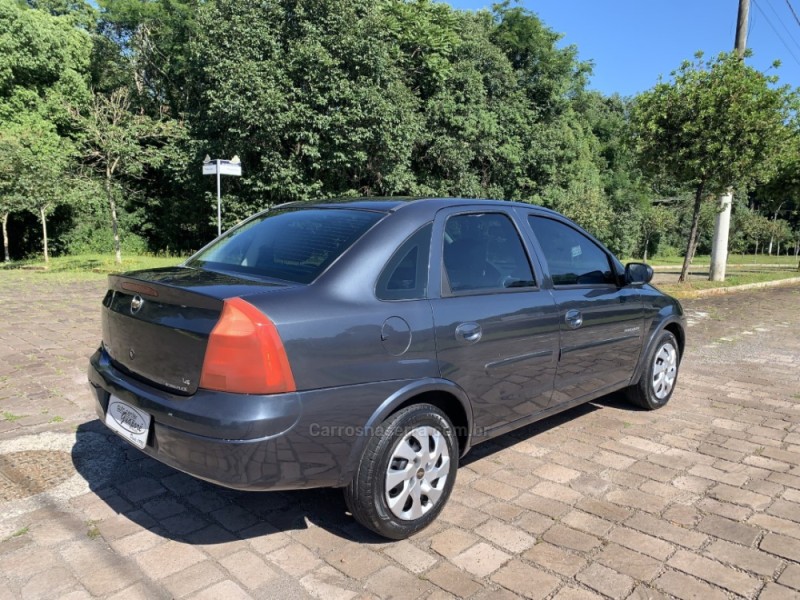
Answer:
[(368, 344)]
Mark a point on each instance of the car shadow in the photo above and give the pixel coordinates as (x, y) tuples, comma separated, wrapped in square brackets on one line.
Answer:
[(180, 507)]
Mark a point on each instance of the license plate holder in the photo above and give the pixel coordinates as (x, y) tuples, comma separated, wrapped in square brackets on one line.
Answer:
[(129, 422)]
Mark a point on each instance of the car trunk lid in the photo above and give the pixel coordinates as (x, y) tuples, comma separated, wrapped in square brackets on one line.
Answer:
[(156, 323)]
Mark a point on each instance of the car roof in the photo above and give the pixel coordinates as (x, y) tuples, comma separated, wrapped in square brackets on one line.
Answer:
[(395, 203)]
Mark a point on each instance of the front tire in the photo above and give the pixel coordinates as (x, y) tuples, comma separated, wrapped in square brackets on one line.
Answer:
[(406, 473), (657, 383)]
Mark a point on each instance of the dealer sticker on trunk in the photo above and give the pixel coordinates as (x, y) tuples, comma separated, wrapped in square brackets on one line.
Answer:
[(129, 422)]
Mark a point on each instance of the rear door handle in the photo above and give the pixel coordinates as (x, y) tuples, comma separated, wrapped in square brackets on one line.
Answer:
[(573, 318), (468, 333)]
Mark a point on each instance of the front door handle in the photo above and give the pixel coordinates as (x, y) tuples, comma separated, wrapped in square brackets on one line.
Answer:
[(573, 318), (468, 333)]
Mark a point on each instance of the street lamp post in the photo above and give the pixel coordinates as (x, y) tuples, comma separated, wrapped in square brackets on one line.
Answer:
[(219, 167)]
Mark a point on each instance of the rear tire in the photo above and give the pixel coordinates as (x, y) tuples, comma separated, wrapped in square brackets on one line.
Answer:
[(657, 383), (406, 473)]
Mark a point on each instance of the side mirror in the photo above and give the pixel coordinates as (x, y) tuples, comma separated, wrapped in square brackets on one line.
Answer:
[(638, 273)]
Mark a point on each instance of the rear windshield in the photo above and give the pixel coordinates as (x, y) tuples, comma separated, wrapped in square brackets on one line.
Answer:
[(291, 244)]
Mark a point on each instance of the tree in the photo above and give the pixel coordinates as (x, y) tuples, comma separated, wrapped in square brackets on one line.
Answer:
[(657, 219), (152, 40), (9, 200), (717, 124), (35, 160), (120, 145)]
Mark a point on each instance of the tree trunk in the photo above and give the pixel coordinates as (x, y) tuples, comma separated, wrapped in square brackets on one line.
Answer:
[(646, 244), (44, 233), (755, 252), (5, 238), (112, 205), (692, 245), (771, 238)]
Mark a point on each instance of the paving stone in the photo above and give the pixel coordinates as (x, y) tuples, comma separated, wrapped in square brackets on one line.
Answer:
[(224, 589), (634, 564), (791, 577), (686, 587), (724, 509), (773, 591), (506, 536), (744, 558), (606, 581), (411, 557), (167, 558), (727, 493), (671, 533), (570, 538), (193, 579), (781, 545), (327, 584), (481, 559), (556, 491), (556, 473), (729, 530), (248, 568), (640, 542), (141, 488), (638, 500), (571, 593), (722, 463), (644, 592), (356, 561), (48, 584), (295, 559), (588, 523), (550, 508), (396, 583), (453, 580), (107, 580), (525, 580), (556, 559), (714, 572), (604, 509)]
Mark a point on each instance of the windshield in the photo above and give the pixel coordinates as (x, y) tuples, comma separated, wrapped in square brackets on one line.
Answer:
[(290, 244)]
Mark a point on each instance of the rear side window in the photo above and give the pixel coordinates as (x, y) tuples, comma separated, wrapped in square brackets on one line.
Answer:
[(573, 259), (405, 276), (483, 251), (294, 245)]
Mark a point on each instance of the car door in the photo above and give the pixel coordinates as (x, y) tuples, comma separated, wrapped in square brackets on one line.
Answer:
[(496, 329), (600, 321)]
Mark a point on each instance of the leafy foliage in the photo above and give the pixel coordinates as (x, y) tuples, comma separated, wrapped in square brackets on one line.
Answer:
[(363, 97), (718, 124)]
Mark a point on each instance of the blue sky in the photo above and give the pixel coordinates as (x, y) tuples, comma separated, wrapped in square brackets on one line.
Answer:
[(632, 42)]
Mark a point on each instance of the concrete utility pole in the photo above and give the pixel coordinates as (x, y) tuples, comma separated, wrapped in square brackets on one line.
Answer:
[(722, 224)]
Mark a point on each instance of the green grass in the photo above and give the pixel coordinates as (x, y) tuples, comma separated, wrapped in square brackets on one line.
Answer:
[(11, 417), (733, 259), (92, 531), (91, 264), (17, 533), (686, 290)]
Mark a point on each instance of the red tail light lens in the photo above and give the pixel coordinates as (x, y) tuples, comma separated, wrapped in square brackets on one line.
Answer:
[(245, 354)]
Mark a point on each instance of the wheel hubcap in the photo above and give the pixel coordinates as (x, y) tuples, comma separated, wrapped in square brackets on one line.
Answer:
[(417, 473), (665, 369)]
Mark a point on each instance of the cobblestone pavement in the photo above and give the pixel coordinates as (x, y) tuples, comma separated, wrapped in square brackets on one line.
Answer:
[(698, 500)]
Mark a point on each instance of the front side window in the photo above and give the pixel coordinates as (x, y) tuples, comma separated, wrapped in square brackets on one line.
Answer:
[(294, 245), (483, 251), (573, 259), (405, 276)]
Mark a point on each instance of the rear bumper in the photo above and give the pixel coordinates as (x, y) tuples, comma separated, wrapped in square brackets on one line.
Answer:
[(248, 442)]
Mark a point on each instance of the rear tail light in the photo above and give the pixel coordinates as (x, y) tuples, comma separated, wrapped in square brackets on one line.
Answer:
[(245, 354)]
